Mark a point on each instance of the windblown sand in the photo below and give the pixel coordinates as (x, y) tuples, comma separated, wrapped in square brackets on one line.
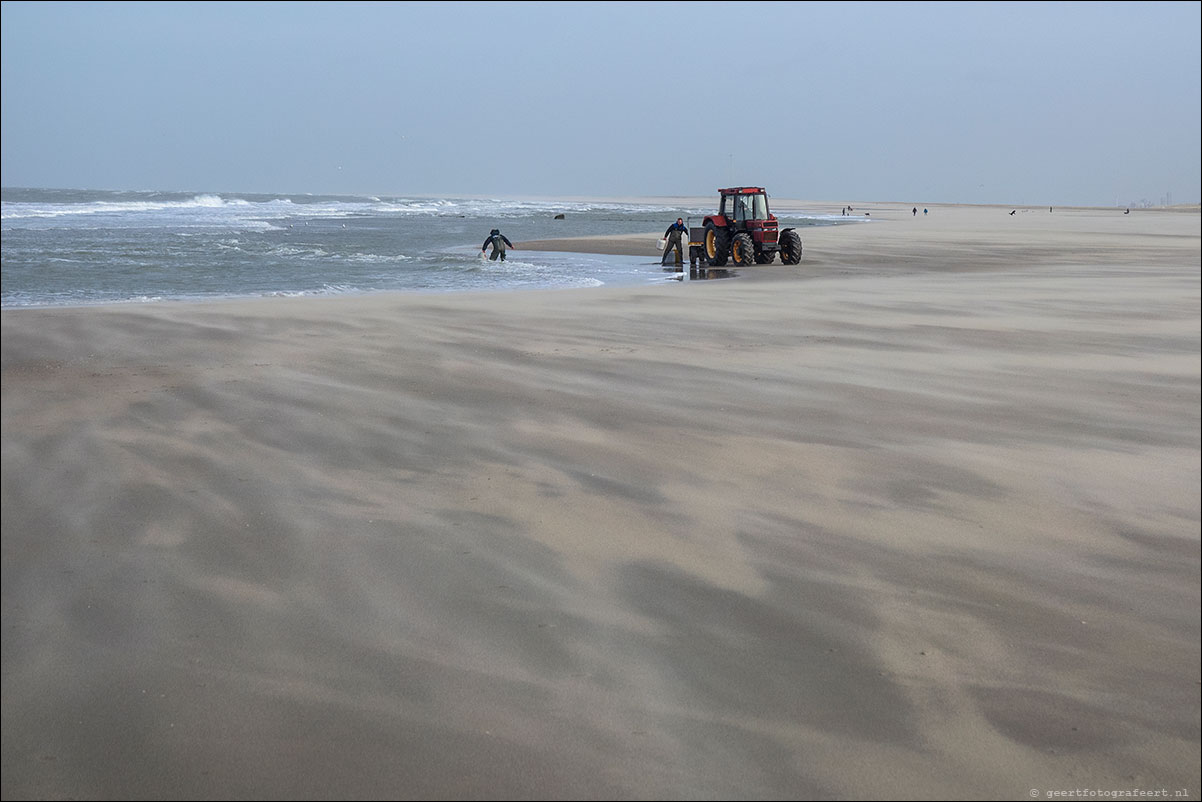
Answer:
[(918, 517)]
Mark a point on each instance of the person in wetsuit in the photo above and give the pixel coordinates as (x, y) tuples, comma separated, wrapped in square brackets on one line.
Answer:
[(498, 242)]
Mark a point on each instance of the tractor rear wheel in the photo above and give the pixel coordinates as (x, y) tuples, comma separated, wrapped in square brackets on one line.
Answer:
[(717, 245), (742, 249), (790, 247)]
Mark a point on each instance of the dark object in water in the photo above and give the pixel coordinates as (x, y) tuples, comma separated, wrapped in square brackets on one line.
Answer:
[(559, 217)]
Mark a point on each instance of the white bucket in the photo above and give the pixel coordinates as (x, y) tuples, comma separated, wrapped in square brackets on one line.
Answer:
[(659, 244)]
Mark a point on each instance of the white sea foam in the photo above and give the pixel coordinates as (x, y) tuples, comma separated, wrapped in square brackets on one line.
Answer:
[(13, 210), (375, 258), (211, 210)]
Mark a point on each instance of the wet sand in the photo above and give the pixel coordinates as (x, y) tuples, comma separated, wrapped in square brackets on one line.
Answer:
[(916, 518)]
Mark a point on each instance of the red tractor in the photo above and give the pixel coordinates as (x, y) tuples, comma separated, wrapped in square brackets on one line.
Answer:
[(744, 231)]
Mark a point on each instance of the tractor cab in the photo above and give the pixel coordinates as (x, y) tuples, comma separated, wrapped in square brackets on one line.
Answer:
[(742, 205)]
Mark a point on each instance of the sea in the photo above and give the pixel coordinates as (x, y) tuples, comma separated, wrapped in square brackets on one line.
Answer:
[(77, 247)]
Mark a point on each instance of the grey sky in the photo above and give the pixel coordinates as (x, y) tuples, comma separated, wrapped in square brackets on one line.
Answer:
[(1092, 103)]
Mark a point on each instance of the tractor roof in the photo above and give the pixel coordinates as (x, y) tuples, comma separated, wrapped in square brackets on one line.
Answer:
[(740, 191)]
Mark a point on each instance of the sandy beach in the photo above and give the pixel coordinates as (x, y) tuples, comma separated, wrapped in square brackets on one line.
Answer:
[(916, 518)]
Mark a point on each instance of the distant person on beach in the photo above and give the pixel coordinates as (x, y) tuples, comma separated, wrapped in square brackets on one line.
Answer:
[(915, 210), (672, 238), (924, 212), (1012, 212), (499, 242)]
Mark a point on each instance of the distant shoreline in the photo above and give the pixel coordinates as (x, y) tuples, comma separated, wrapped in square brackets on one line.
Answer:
[(664, 200)]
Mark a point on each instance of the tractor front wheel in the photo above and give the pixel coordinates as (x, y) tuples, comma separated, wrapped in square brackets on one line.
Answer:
[(742, 249), (790, 247), (717, 245), (765, 257)]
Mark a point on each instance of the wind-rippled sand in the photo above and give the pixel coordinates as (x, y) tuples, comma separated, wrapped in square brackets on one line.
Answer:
[(916, 518)]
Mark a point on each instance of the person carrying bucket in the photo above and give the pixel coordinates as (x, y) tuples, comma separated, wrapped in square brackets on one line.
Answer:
[(672, 238)]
